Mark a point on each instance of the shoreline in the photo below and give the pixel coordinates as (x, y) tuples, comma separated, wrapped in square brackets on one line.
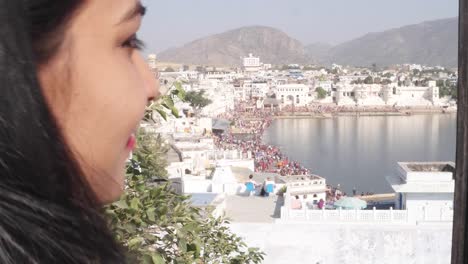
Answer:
[(312, 115)]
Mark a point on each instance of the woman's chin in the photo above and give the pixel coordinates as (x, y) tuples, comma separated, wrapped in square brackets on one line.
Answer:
[(111, 196), (114, 190)]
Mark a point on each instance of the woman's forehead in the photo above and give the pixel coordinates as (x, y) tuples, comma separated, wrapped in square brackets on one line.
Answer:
[(116, 11)]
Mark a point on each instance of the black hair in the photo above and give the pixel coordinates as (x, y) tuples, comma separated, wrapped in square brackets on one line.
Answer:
[(48, 212)]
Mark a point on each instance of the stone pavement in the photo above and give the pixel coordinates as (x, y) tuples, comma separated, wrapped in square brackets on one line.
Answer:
[(253, 209)]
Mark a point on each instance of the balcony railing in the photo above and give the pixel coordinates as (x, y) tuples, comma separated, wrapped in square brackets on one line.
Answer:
[(371, 216)]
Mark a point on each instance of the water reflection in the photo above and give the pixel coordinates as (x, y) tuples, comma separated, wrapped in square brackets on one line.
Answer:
[(360, 151)]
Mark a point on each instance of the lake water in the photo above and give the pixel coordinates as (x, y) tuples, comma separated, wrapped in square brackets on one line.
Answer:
[(360, 151)]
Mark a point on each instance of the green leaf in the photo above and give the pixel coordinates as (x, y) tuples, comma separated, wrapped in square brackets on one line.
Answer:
[(175, 112), (180, 91), (150, 214), (122, 204), (147, 259), (183, 244), (162, 113), (168, 101), (134, 203), (157, 259), (135, 242)]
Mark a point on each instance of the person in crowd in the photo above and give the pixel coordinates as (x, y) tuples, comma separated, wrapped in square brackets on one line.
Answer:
[(321, 204), (251, 186), (305, 202), (309, 203), (296, 203), (74, 89), (269, 186)]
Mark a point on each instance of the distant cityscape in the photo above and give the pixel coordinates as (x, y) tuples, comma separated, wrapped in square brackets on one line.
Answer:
[(294, 85), (218, 156)]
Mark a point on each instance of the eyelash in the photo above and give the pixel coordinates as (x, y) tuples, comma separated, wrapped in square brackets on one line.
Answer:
[(134, 43)]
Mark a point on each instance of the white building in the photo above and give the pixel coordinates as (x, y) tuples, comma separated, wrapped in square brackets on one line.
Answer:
[(190, 75), (293, 94), (424, 189), (239, 92), (344, 94), (259, 89), (414, 95), (251, 63), (371, 94), (376, 94), (326, 85), (313, 186), (351, 78), (412, 67), (152, 59), (220, 75), (267, 67)]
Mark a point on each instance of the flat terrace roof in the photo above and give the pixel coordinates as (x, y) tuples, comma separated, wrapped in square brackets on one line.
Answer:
[(300, 178), (430, 167)]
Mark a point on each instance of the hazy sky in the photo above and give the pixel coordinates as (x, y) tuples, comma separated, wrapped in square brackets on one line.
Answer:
[(174, 22)]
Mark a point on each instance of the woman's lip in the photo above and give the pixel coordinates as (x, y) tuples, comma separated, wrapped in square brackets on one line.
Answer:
[(131, 143)]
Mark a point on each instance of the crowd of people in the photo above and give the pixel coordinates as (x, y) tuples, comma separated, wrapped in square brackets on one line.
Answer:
[(249, 125)]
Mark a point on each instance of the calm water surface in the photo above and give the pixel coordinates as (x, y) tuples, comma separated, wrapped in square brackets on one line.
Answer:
[(360, 151)]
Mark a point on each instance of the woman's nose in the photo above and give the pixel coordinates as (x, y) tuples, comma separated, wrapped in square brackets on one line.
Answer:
[(150, 78)]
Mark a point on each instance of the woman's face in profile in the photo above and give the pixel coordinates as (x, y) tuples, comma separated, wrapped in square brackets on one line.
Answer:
[(97, 86)]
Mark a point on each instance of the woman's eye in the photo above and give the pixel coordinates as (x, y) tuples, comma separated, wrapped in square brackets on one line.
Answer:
[(133, 43)]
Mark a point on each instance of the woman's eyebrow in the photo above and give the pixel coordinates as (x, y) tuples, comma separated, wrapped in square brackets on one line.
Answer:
[(137, 10)]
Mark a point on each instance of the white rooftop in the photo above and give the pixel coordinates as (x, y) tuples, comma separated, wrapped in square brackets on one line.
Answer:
[(400, 186), (423, 177)]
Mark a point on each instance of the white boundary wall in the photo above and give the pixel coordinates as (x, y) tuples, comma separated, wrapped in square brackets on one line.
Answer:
[(349, 243)]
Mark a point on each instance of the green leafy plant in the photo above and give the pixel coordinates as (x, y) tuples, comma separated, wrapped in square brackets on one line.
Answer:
[(197, 99), (165, 105), (282, 190), (321, 93), (157, 225)]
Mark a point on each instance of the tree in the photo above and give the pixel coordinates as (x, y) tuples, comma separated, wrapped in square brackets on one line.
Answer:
[(309, 68), (169, 69), (200, 69), (416, 72), (368, 80), (158, 225), (444, 91), (440, 83), (374, 67), (386, 81), (197, 100), (388, 75), (321, 93)]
